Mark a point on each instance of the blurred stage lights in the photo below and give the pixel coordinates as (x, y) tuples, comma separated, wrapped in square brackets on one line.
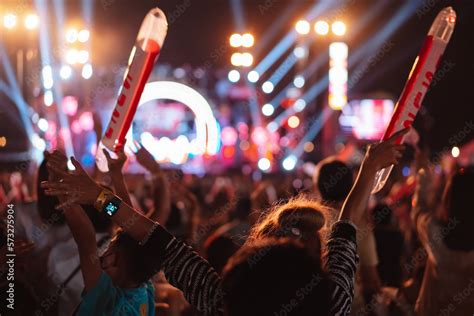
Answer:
[(43, 124), (65, 72), (299, 81), (47, 74), (268, 109), (241, 59), (300, 52), (74, 35), (241, 40), (321, 28), (9, 20), (338, 28), (299, 105), (289, 163), (234, 75), (267, 87), (455, 151), (272, 127), (247, 40), (308, 147), (31, 21), (264, 164), (87, 71), (83, 36), (293, 121), (302, 27), (253, 76), (71, 35), (48, 98)]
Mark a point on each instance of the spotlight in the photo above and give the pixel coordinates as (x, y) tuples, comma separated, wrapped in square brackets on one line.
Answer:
[(87, 71), (48, 98), (293, 121), (299, 81), (47, 74), (83, 57), (31, 21), (235, 40), (268, 109), (264, 164), (9, 21), (43, 124), (247, 59), (338, 28), (308, 147), (72, 56), (321, 27), (455, 152), (236, 59), (65, 72), (300, 52), (289, 163), (299, 105), (83, 36), (233, 75), (302, 27), (71, 35), (267, 87), (247, 40), (253, 76)]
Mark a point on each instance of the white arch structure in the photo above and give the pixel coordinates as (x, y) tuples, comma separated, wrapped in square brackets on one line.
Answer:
[(207, 134)]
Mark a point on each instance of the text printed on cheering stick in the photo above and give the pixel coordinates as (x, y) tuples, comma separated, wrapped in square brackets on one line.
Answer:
[(10, 257)]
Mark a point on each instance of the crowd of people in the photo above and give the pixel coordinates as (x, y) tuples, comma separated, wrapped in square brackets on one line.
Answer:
[(169, 243)]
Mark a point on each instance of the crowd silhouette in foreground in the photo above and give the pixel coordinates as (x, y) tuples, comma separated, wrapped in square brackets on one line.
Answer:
[(169, 243)]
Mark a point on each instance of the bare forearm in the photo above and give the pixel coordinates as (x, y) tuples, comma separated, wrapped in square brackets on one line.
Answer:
[(356, 202), (133, 222), (121, 187), (84, 236), (161, 199)]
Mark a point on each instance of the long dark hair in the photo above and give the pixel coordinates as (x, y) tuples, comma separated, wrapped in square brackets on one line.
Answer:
[(458, 203)]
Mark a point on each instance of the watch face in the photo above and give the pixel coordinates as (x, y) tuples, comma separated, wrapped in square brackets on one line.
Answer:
[(111, 208)]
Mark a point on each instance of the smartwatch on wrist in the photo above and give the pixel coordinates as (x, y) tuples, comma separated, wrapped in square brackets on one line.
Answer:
[(107, 202), (111, 206)]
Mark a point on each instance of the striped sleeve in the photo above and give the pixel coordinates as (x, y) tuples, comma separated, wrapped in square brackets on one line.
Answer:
[(341, 264), (193, 275)]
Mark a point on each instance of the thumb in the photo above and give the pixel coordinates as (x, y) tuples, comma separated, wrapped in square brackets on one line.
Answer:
[(77, 165)]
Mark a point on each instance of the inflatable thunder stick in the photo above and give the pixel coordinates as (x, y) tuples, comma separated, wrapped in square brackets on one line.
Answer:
[(141, 61), (418, 82)]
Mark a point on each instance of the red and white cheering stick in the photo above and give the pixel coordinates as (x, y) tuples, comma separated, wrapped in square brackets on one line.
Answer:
[(418, 82), (142, 59)]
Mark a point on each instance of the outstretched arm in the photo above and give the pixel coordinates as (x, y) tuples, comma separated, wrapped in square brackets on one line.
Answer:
[(161, 192), (81, 227), (377, 157), (115, 171), (183, 267)]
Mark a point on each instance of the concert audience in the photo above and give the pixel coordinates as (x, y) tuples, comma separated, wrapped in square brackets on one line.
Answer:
[(269, 252)]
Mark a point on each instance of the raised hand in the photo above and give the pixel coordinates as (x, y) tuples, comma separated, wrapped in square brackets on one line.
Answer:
[(56, 158), (385, 153), (146, 160), (75, 187), (115, 164)]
